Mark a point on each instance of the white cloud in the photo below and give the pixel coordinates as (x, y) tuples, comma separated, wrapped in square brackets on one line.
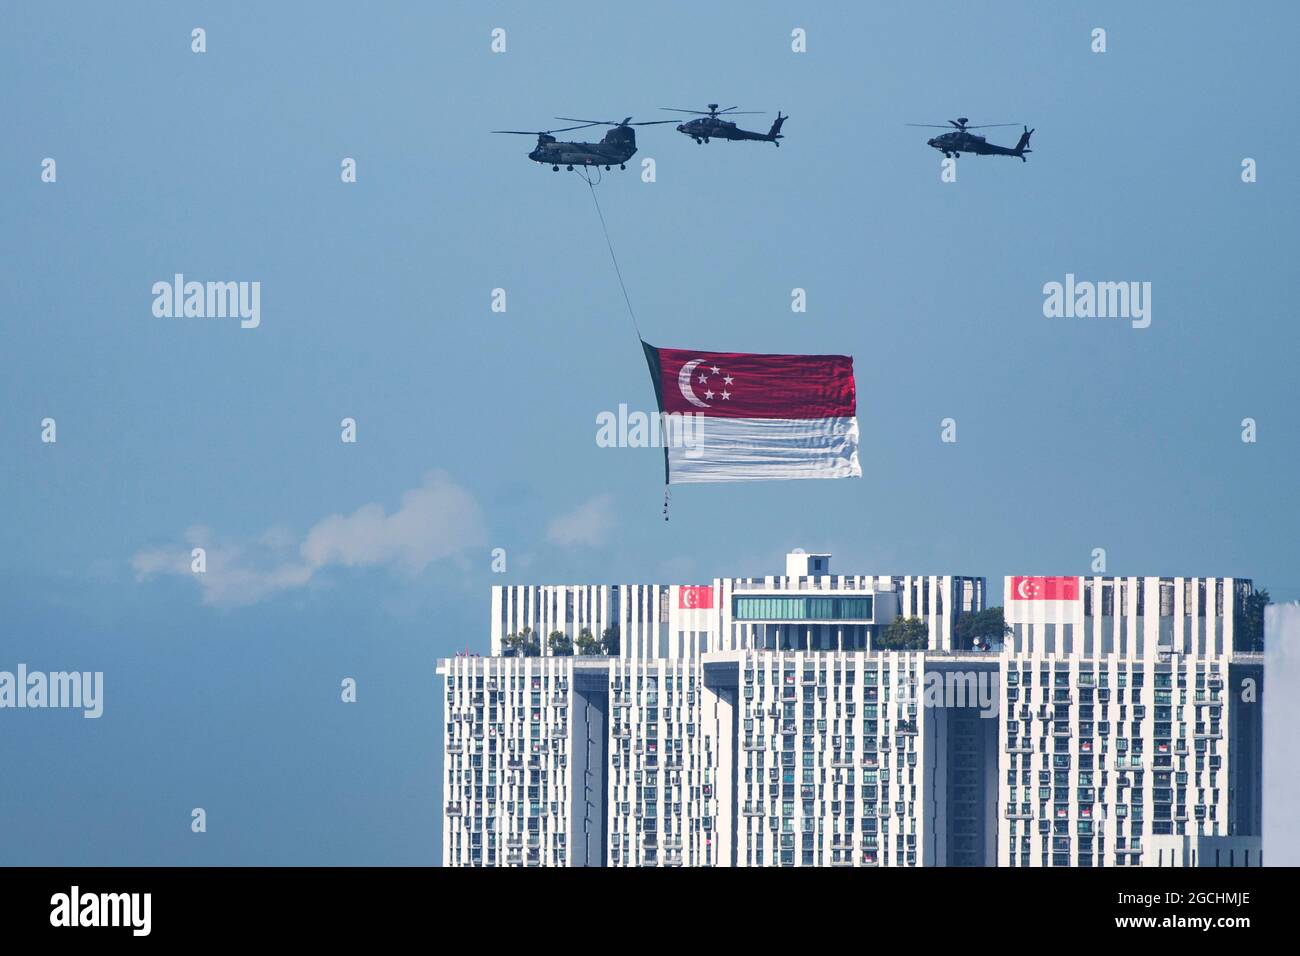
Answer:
[(437, 520), (588, 525)]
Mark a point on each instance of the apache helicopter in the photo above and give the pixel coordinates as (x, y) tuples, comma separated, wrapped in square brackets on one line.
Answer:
[(616, 147), (957, 141), (708, 126)]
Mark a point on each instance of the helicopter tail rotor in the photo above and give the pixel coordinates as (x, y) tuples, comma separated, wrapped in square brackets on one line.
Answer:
[(1022, 147)]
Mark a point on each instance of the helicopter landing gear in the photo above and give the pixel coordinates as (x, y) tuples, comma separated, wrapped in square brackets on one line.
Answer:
[(606, 169), (555, 169), (622, 166), (570, 169), (706, 139), (698, 141)]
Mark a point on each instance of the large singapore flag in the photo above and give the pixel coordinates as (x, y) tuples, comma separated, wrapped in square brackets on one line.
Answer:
[(748, 417)]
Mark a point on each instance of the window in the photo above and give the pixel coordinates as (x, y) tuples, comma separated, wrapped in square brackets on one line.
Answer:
[(782, 608)]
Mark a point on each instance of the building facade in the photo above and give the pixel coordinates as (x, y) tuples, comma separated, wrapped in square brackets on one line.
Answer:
[(764, 722), (1120, 721)]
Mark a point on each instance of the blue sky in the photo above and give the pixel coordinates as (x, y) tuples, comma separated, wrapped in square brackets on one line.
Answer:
[(476, 429)]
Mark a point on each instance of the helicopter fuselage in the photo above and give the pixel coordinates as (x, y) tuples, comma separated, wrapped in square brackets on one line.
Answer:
[(707, 127), (960, 141), (615, 149)]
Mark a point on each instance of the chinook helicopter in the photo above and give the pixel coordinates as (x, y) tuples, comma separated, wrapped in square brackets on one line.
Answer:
[(709, 126), (958, 140), (615, 148)]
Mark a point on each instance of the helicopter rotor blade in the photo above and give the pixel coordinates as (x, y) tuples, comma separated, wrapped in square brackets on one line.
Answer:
[(991, 125), (625, 122), (730, 109), (927, 125), (540, 132)]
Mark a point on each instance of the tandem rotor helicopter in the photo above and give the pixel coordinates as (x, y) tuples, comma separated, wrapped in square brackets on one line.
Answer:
[(959, 140), (614, 149)]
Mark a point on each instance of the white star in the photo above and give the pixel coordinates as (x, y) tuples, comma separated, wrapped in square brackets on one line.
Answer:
[(725, 394), (708, 394), (716, 370), (704, 379), (727, 380)]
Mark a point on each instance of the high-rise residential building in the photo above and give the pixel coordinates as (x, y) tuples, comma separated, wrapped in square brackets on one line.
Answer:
[(1124, 719), (774, 722)]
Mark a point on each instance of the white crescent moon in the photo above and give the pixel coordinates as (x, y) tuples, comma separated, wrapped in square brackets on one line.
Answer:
[(1020, 589), (684, 383)]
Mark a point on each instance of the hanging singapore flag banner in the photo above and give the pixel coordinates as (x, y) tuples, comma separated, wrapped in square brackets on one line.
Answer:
[(737, 416), (695, 597), (1044, 589)]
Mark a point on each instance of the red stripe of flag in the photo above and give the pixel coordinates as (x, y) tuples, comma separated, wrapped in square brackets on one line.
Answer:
[(694, 597), (1029, 588), (748, 385)]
